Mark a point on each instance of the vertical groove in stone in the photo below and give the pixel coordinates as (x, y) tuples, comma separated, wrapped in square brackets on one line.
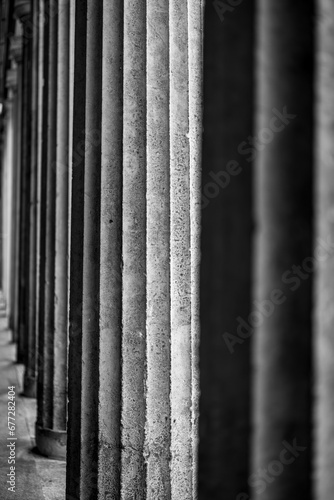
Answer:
[(134, 250), (111, 250), (195, 26), (76, 255), (157, 448), (283, 247), (61, 222), (31, 373), (324, 289), (91, 255), (180, 253)]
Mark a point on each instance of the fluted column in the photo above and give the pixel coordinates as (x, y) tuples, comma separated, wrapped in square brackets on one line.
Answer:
[(133, 374), (324, 287), (283, 254)]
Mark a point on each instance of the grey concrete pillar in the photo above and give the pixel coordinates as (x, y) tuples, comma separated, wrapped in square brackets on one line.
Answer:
[(16, 54), (26, 336), (133, 348), (51, 428), (30, 375), (62, 222), (7, 184), (323, 252), (50, 425), (283, 255), (42, 110)]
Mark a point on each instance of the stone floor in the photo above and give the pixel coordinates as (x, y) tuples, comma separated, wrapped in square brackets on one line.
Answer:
[(36, 477)]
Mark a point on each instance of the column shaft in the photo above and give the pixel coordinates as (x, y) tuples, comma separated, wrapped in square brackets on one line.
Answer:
[(226, 246), (283, 250), (51, 421), (62, 216), (323, 252), (30, 374)]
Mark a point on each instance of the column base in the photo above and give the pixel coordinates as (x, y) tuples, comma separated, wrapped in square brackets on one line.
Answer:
[(51, 443), (29, 387)]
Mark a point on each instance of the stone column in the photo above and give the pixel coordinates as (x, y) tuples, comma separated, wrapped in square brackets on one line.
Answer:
[(16, 55), (50, 426), (41, 119), (133, 352), (7, 182), (323, 252), (30, 376), (26, 336), (9, 192), (62, 222), (283, 255)]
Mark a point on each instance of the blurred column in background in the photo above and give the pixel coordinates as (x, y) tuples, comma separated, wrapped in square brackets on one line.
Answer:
[(7, 186), (324, 288), (283, 253), (26, 342), (226, 272), (16, 47)]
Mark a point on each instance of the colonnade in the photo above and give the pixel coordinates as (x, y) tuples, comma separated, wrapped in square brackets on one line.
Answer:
[(167, 268), (109, 241)]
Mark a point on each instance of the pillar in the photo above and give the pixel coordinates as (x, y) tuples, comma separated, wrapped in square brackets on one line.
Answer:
[(26, 335), (16, 53), (30, 376), (323, 252), (7, 182), (283, 256), (52, 376), (133, 374), (226, 248)]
